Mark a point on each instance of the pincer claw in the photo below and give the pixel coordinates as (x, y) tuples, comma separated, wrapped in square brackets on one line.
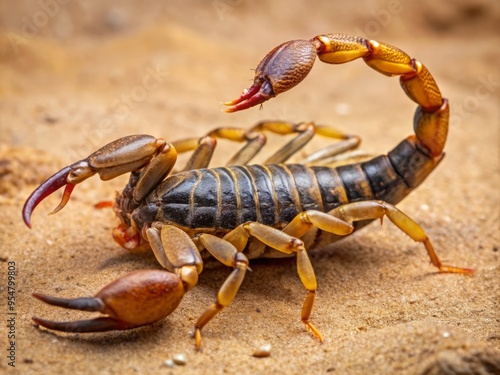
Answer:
[(127, 154), (52, 184), (258, 93), (136, 299), (282, 68)]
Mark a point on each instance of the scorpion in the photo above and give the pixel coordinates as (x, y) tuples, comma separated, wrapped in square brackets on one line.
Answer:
[(243, 211)]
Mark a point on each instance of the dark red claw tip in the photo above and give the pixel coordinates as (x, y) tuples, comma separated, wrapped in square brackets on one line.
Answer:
[(258, 93), (52, 184), (254, 89), (253, 101), (255, 95)]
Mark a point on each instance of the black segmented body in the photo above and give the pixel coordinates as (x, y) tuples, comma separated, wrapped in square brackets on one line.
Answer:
[(223, 198)]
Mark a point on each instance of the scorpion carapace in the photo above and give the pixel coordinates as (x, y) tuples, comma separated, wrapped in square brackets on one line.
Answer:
[(244, 211)]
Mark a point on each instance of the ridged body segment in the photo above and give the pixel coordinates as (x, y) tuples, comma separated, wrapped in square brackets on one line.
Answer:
[(222, 198)]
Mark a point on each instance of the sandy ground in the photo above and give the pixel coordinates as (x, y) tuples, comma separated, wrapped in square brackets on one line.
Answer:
[(74, 77)]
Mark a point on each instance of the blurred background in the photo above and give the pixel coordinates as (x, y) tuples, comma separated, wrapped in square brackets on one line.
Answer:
[(109, 68)]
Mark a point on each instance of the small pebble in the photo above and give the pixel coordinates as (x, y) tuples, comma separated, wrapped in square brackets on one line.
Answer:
[(179, 359), (263, 351), (446, 334)]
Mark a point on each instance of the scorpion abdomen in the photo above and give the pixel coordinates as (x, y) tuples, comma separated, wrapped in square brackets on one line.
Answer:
[(223, 198)]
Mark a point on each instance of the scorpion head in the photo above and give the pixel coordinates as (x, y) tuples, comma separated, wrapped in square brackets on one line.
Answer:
[(282, 69)]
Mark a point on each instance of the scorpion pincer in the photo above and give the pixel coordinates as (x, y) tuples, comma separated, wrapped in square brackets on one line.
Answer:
[(243, 211)]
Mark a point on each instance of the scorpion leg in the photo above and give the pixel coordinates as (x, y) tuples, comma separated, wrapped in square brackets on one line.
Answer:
[(287, 244), (255, 141), (332, 154), (136, 299), (154, 157), (306, 220), (203, 151), (228, 255), (201, 159), (306, 131), (369, 210)]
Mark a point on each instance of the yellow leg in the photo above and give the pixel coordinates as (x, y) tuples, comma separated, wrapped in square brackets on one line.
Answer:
[(203, 150), (228, 255), (255, 140), (304, 221), (369, 210), (287, 244), (306, 131), (287, 241), (330, 155)]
